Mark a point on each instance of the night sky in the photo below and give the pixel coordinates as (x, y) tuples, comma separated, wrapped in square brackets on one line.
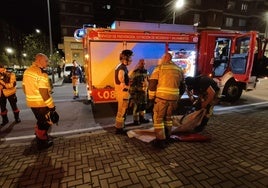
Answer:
[(26, 15)]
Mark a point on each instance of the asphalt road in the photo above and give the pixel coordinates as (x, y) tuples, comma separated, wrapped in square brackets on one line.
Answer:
[(77, 116)]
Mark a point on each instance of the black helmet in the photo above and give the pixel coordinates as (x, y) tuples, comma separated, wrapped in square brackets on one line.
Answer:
[(125, 54)]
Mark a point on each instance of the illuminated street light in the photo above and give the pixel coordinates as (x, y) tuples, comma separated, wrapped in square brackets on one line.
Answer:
[(179, 4), (10, 51), (38, 31)]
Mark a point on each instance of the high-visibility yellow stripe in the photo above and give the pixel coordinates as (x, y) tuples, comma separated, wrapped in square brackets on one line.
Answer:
[(168, 123), (36, 76), (168, 90), (159, 125)]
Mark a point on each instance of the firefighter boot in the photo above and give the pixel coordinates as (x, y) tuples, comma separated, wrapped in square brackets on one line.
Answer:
[(43, 144), (169, 140), (42, 139), (142, 119), (5, 120), (160, 144), (17, 117)]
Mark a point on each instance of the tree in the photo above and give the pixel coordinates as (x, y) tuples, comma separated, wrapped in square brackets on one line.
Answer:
[(35, 43)]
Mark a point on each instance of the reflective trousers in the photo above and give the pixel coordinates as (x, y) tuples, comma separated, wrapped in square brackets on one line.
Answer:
[(43, 123), (162, 112), (122, 98)]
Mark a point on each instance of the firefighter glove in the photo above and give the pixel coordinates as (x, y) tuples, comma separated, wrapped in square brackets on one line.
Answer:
[(54, 116), (52, 109)]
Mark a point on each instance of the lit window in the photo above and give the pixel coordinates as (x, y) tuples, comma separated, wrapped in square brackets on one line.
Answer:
[(214, 17), (107, 7), (244, 7), (196, 18), (242, 22), (230, 5), (229, 22)]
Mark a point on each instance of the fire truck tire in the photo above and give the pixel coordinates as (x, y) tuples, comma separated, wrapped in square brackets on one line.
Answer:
[(232, 91)]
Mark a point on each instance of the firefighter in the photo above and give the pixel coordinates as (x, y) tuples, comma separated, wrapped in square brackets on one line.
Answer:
[(122, 89), (138, 91), (76, 75), (8, 92), (164, 91), (207, 92), (36, 86)]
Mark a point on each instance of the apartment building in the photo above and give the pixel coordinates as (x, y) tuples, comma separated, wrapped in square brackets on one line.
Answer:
[(239, 15)]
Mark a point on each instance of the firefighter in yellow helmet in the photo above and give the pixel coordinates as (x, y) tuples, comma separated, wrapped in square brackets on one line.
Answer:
[(122, 89), (8, 92), (164, 91), (37, 88)]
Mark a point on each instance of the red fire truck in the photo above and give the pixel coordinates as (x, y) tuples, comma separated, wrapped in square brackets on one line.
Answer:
[(233, 59)]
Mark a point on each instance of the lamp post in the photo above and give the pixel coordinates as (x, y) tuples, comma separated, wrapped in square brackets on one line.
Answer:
[(266, 25), (178, 5), (50, 40)]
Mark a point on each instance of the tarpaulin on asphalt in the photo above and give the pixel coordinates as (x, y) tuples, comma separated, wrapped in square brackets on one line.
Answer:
[(181, 130)]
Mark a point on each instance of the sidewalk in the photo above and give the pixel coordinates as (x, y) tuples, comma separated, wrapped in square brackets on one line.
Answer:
[(70, 124), (236, 156)]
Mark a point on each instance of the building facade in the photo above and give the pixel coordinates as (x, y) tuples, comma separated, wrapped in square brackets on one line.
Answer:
[(238, 15)]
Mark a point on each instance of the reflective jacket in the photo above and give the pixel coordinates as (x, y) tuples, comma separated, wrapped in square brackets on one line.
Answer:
[(34, 78), (8, 83), (165, 82), (139, 80)]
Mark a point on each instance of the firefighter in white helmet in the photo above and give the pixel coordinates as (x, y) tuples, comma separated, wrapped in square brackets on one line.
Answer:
[(122, 89)]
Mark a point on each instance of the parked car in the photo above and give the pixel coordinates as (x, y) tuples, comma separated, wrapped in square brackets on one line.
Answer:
[(66, 73), (10, 69), (19, 74)]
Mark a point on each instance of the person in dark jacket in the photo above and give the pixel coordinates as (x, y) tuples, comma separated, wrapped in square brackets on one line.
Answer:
[(139, 92), (207, 92), (76, 74)]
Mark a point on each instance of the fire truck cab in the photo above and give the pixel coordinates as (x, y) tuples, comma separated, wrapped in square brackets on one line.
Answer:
[(234, 60)]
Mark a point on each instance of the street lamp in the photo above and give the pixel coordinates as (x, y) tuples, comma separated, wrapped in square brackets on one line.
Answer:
[(10, 52), (178, 5), (24, 55), (37, 31)]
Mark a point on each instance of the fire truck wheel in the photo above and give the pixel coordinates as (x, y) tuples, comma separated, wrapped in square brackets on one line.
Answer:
[(232, 91)]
